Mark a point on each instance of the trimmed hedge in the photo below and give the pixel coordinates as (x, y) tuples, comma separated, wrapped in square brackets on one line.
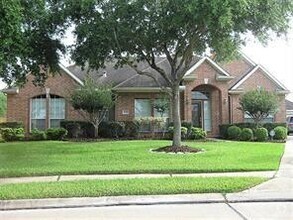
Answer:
[(261, 134), (280, 133), (56, 133), (246, 134), (12, 134), (234, 132), (197, 133), (15, 124), (37, 135), (78, 129), (252, 126)]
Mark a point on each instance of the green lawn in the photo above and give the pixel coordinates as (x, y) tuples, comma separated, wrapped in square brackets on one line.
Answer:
[(53, 158), (118, 187)]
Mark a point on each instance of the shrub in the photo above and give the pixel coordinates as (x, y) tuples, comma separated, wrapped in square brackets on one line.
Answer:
[(79, 129), (246, 134), (12, 134), (268, 126), (261, 134), (117, 129), (184, 131), (131, 129), (11, 125), (37, 135), (280, 133), (197, 133), (56, 133), (234, 132)]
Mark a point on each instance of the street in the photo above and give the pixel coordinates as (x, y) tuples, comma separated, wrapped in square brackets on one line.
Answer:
[(251, 210)]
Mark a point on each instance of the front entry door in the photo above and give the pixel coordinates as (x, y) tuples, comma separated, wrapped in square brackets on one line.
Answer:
[(196, 114)]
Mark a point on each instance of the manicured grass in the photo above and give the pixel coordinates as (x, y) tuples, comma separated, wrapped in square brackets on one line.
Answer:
[(118, 187), (54, 158)]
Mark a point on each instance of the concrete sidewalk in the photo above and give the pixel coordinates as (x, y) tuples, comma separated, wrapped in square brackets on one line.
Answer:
[(266, 174), (278, 189)]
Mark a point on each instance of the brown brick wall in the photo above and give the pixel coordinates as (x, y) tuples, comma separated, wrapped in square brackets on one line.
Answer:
[(259, 78), (18, 105)]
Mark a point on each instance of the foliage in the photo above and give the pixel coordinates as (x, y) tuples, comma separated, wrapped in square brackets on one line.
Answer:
[(37, 135), (184, 132), (131, 129), (12, 134), (3, 104), (280, 133), (56, 133), (133, 31), (259, 104), (162, 105), (119, 187), (234, 132), (93, 102), (30, 39), (246, 134), (11, 125), (261, 134), (253, 126), (116, 128), (122, 157), (78, 129), (197, 133)]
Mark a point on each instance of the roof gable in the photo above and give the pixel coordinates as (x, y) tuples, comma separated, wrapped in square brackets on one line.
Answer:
[(249, 74), (211, 62)]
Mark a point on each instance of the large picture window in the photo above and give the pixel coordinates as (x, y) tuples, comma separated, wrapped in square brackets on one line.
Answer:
[(143, 108), (40, 113), (249, 119)]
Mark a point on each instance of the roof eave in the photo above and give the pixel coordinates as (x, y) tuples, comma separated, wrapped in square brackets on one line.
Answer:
[(11, 91)]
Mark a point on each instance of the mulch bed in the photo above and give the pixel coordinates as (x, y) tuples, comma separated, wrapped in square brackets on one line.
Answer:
[(182, 149)]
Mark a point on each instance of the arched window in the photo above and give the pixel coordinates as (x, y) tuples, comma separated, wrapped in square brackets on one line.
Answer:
[(43, 117)]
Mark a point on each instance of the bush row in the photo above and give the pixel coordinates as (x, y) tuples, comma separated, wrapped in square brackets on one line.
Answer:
[(17, 134), (259, 134), (191, 133), (111, 129), (268, 126)]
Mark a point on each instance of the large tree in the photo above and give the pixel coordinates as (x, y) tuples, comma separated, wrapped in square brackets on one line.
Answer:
[(130, 31), (30, 32)]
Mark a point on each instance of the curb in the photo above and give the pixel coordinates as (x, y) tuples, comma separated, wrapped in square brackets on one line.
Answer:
[(29, 204)]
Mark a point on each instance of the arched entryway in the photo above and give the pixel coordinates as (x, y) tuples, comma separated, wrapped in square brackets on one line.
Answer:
[(206, 108)]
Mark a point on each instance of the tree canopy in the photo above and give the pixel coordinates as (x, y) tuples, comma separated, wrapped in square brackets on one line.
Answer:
[(30, 34), (130, 31), (93, 102), (259, 104)]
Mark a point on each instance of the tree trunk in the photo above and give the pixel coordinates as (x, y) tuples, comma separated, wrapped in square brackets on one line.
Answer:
[(96, 130), (176, 117)]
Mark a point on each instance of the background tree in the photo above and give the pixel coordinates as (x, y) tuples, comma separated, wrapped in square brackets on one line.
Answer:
[(93, 102), (130, 31), (259, 104), (3, 104), (30, 32)]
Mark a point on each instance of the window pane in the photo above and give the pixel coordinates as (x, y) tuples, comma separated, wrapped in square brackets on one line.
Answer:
[(249, 119), (57, 108), (143, 108), (38, 113), (57, 111), (207, 116), (39, 124)]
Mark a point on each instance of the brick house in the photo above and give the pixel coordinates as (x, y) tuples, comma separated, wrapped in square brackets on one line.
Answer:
[(210, 94)]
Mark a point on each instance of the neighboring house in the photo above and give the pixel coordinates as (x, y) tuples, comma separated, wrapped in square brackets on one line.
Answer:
[(209, 94), (289, 108)]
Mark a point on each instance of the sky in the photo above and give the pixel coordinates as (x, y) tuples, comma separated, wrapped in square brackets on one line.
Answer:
[(276, 57)]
